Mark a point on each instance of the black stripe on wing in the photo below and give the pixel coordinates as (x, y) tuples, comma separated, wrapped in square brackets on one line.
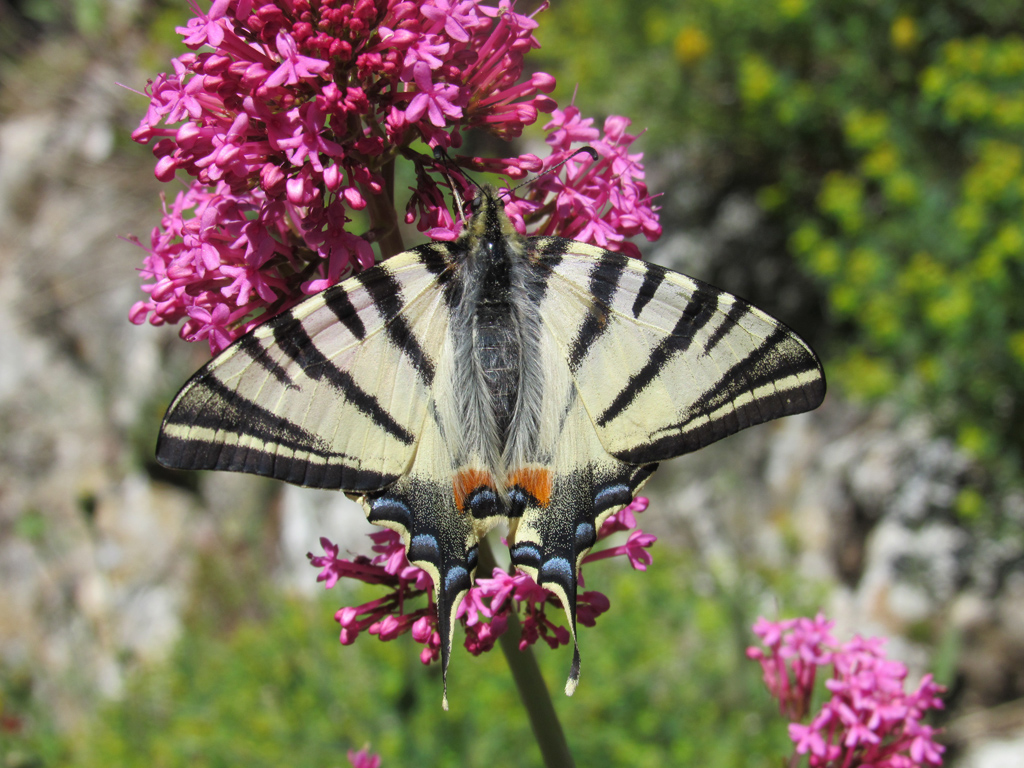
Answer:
[(208, 405), (699, 311), (293, 340), (731, 319), (604, 281), (438, 258), (386, 293), (254, 348), (653, 278), (337, 300), (781, 363), (547, 254)]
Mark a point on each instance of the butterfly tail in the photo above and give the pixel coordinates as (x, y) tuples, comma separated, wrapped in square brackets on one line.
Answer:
[(556, 578), (438, 540), (552, 566), (456, 577), (574, 670)]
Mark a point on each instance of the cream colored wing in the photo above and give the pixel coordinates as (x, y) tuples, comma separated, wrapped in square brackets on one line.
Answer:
[(666, 364), (640, 364), (332, 393)]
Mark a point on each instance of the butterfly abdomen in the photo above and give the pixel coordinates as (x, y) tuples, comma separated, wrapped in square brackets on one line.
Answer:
[(496, 331)]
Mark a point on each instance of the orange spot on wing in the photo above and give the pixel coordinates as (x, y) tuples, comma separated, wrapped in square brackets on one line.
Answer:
[(534, 481), (467, 481)]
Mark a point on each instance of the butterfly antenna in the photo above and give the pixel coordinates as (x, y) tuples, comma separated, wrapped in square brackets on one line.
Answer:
[(588, 150), (447, 168)]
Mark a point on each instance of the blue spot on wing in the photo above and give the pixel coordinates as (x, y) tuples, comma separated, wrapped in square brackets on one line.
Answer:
[(558, 569), (456, 579), (391, 509), (610, 496), (585, 536), (424, 547), (483, 502), (526, 554)]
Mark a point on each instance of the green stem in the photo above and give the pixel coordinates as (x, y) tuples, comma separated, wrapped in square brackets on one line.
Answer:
[(532, 689), (383, 218)]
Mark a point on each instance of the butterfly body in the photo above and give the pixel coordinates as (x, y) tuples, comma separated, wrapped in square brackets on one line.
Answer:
[(494, 378)]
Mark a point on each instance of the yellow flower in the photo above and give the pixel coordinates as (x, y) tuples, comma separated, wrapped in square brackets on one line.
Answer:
[(792, 8), (903, 33), (842, 197), (691, 45), (826, 259), (757, 79), (883, 161), (900, 188), (865, 129), (1017, 346), (974, 440), (970, 505)]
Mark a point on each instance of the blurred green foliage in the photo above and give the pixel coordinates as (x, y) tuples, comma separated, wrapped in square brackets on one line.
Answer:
[(886, 138), (665, 682), (28, 736)]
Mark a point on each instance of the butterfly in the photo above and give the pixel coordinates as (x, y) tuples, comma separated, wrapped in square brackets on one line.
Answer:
[(536, 381)]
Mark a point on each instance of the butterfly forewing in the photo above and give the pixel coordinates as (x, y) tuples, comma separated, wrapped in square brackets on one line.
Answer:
[(666, 364), (330, 394)]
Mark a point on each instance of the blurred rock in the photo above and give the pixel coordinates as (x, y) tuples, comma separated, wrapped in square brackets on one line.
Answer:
[(995, 754)]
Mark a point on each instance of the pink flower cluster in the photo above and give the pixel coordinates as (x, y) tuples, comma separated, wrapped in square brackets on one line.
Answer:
[(869, 721), (364, 758), (287, 118), (484, 611)]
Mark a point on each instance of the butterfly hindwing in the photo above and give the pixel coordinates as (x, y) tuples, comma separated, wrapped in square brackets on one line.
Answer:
[(561, 509), (559, 500), (439, 537)]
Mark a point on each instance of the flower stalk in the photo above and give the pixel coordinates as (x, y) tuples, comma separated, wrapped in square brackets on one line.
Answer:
[(533, 691)]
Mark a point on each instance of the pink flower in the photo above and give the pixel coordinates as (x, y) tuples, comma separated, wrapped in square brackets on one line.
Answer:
[(869, 720), (434, 99), (624, 519), (484, 611), (212, 326), (294, 66), (363, 759), (808, 739), (281, 121), (281, 127), (635, 549), (206, 28)]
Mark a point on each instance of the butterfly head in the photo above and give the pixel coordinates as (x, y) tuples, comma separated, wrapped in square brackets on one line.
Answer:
[(488, 221)]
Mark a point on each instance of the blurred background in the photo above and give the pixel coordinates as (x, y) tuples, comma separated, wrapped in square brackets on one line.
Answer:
[(854, 168)]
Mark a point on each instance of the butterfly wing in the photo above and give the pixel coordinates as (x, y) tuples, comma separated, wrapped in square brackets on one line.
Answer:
[(562, 504), (331, 394), (646, 364), (339, 393), (439, 538), (666, 364)]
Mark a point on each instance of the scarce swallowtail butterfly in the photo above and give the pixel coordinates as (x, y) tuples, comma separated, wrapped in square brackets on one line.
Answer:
[(536, 381)]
